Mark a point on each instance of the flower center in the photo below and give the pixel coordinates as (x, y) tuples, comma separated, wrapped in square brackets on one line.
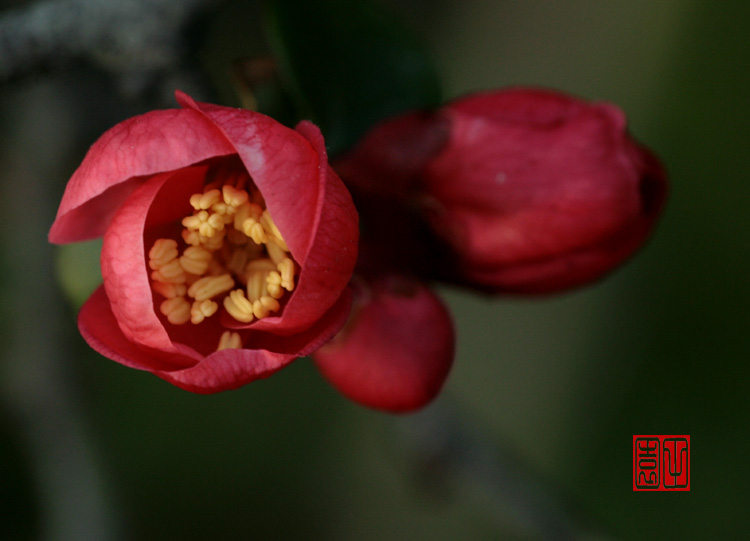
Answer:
[(233, 254)]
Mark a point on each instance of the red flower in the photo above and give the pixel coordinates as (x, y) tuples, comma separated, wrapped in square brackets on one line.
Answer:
[(529, 191), (397, 349), (228, 244)]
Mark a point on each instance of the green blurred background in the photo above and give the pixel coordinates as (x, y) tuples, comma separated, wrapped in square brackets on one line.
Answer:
[(537, 418)]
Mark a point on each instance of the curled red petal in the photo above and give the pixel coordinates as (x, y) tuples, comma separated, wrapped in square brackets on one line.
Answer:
[(123, 261), (101, 331), (123, 158), (327, 266), (227, 369), (397, 349)]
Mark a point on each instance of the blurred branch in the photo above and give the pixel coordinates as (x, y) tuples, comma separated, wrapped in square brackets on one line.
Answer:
[(135, 39), (449, 450)]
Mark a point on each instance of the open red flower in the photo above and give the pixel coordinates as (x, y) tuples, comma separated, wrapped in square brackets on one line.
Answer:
[(228, 246), (529, 191)]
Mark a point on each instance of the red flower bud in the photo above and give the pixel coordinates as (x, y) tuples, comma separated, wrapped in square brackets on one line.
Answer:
[(397, 349), (229, 243), (530, 191)]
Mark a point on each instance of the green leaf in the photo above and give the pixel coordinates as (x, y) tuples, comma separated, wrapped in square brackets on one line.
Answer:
[(348, 64)]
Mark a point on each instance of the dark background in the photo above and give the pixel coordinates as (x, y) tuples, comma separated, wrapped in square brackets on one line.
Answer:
[(546, 394)]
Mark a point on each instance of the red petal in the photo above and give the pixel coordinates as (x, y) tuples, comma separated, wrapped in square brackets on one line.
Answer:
[(99, 328), (120, 161), (227, 369), (397, 349), (123, 260), (327, 266)]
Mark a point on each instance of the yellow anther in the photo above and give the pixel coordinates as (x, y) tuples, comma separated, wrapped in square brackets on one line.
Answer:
[(229, 340), (204, 223), (201, 310), (275, 252), (286, 269), (256, 285), (260, 265), (193, 223), (172, 273), (264, 306), (206, 230), (216, 221), (245, 211), (168, 291), (259, 310), (225, 211), (270, 303), (213, 223), (233, 196), (190, 237), (273, 278), (275, 291), (162, 252), (195, 260), (195, 201), (268, 224), (203, 201), (214, 243), (272, 231), (253, 229), (273, 285), (238, 306), (210, 286), (255, 277), (177, 310)]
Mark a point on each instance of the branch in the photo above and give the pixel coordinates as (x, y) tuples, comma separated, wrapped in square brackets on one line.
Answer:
[(126, 37)]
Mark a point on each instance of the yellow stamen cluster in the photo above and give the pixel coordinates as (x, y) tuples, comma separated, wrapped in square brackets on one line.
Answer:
[(231, 241)]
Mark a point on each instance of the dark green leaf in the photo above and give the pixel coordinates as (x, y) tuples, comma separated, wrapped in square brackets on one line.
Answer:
[(348, 64)]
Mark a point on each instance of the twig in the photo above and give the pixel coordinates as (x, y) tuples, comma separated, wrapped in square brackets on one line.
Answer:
[(133, 38), (452, 451)]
